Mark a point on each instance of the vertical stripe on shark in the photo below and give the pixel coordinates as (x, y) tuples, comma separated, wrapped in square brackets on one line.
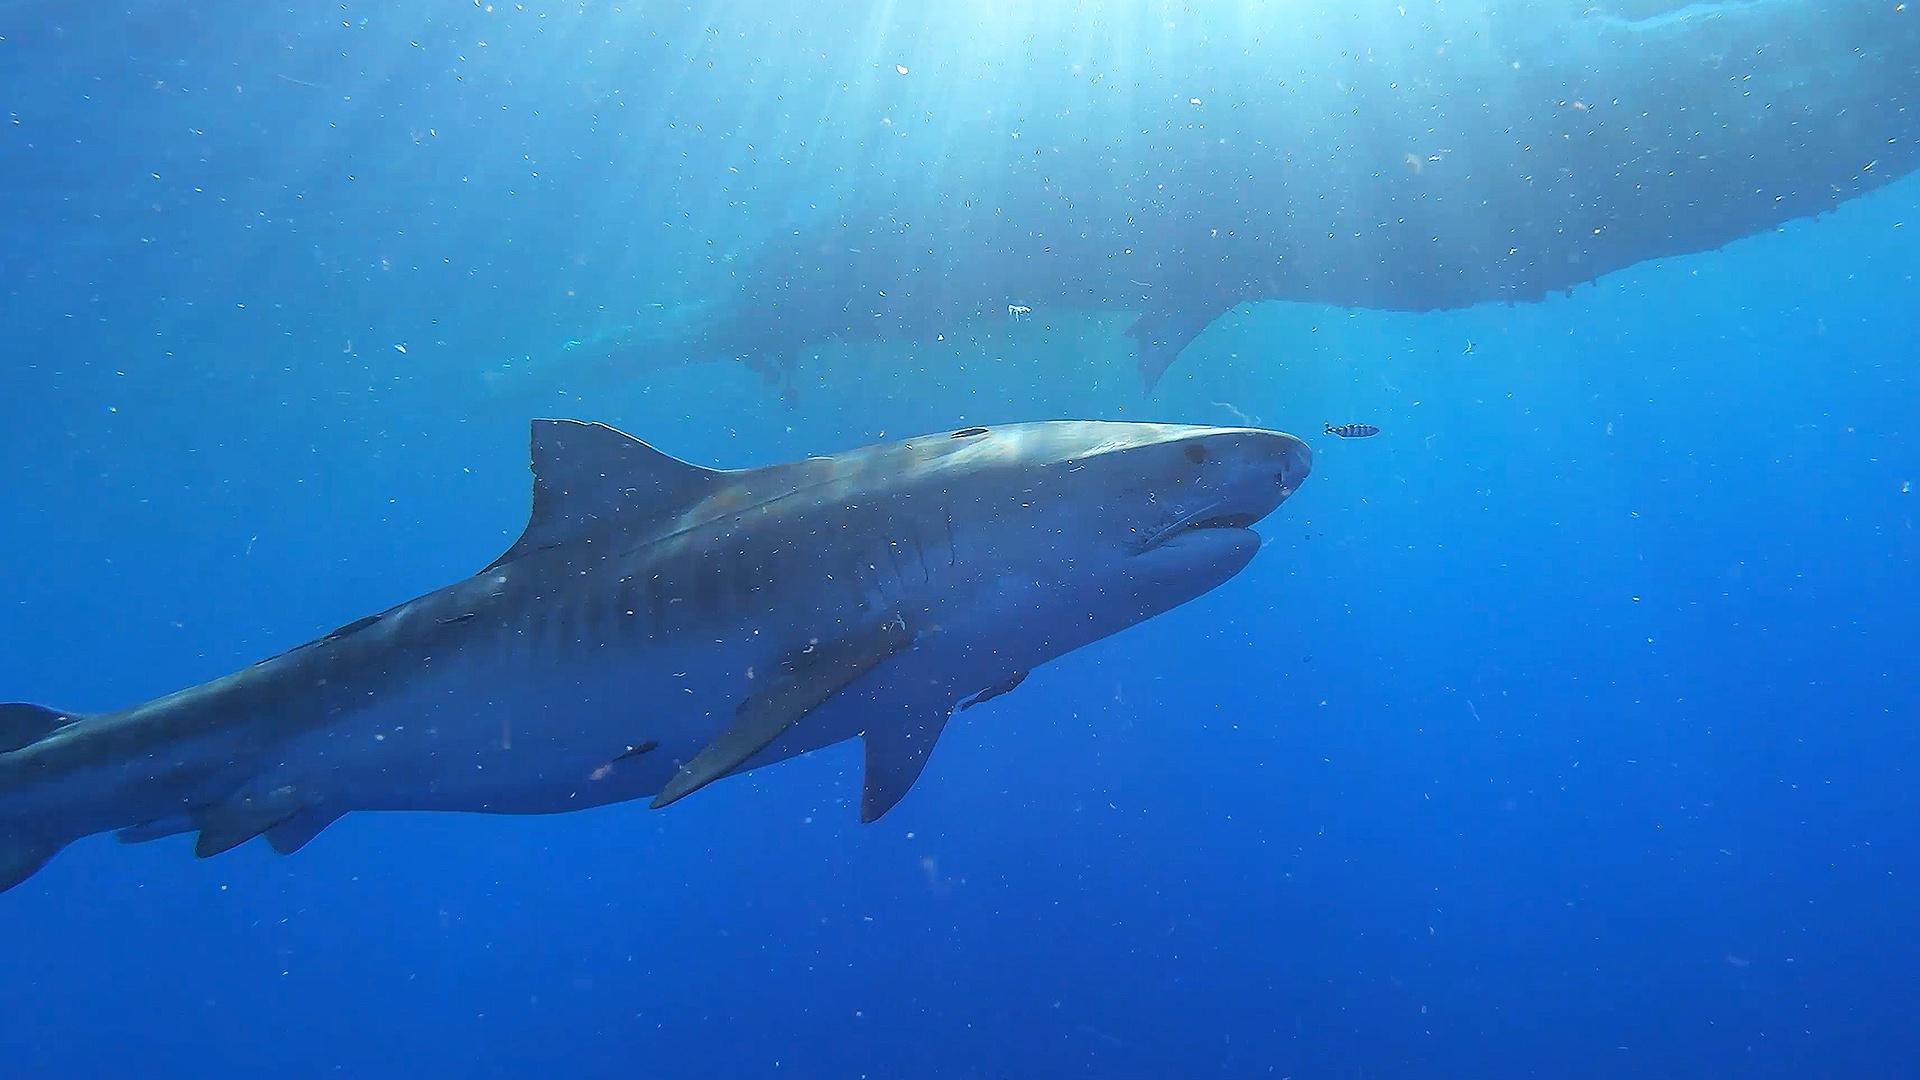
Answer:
[(596, 609), (534, 619), (895, 565), (760, 575), (742, 579), (631, 624), (524, 617), (922, 533), (656, 606), (709, 592), (618, 625)]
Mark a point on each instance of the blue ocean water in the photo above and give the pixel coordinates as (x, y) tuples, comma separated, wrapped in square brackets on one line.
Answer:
[(1564, 729)]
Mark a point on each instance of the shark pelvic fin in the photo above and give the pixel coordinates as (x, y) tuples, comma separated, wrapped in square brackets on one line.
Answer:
[(806, 680), (241, 818), (157, 829), (586, 476), (293, 834)]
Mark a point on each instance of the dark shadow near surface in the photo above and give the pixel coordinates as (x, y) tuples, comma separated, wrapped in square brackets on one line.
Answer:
[(1497, 158)]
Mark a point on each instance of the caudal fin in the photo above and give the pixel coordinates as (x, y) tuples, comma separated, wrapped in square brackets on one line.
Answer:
[(25, 846)]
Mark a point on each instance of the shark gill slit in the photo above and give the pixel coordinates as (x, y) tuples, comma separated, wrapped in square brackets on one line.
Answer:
[(926, 542), (866, 585), (713, 580), (893, 560), (743, 572)]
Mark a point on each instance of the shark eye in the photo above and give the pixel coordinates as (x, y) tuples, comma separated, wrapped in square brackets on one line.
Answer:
[(1196, 453), (968, 433)]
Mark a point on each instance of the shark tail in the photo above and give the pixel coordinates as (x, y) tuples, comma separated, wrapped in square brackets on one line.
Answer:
[(27, 840), (42, 811)]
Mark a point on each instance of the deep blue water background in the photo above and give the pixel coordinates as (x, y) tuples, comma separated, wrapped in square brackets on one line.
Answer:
[(1565, 729)]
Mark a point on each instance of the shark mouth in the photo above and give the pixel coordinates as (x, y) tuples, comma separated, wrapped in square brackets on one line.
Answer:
[(1207, 517)]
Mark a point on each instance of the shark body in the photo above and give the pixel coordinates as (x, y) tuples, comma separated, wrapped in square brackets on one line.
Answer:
[(659, 626)]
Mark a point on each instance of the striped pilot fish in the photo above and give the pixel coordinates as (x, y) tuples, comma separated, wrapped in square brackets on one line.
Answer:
[(1353, 431)]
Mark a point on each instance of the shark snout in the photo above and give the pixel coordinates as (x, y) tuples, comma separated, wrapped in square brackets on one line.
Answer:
[(1229, 479), (1260, 468), (1296, 462)]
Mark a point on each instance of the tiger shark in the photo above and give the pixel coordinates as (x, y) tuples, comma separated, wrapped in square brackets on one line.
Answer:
[(659, 626)]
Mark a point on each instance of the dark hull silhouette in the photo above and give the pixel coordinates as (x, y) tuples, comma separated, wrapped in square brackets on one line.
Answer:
[(1499, 167)]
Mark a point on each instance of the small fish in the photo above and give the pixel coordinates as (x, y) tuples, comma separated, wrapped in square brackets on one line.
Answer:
[(1353, 431)]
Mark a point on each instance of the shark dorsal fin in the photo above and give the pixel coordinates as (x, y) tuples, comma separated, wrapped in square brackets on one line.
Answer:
[(585, 476)]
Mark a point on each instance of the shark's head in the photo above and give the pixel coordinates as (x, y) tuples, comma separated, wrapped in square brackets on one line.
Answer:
[(1123, 521), (1172, 506)]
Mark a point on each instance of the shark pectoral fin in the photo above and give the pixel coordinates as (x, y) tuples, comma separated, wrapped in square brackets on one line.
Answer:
[(897, 752), (1160, 336), (293, 834), (896, 755), (807, 680), (234, 822)]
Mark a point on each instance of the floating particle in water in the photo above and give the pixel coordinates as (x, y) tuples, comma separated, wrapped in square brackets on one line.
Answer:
[(1193, 101), (1906, 487), (400, 347), (899, 69)]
